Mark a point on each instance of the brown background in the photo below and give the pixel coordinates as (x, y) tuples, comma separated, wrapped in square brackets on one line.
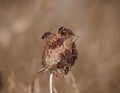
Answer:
[(22, 23)]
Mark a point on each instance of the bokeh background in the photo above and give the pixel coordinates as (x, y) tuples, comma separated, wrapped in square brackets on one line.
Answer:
[(22, 23)]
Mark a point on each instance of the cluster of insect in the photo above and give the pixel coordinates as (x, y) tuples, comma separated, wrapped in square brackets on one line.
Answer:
[(59, 52)]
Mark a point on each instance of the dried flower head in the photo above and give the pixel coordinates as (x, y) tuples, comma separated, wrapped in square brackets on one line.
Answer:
[(59, 52)]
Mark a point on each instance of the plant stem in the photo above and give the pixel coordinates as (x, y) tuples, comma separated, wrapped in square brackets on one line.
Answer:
[(50, 82)]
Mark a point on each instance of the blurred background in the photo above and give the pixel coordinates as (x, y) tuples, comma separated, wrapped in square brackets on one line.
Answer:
[(22, 23)]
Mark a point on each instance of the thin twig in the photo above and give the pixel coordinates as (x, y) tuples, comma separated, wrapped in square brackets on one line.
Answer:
[(54, 89), (50, 81)]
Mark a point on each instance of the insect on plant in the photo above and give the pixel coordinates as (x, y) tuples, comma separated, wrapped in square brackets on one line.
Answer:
[(45, 35), (65, 32)]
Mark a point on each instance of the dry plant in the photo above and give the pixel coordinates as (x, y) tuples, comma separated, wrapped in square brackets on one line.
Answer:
[(59, 54)]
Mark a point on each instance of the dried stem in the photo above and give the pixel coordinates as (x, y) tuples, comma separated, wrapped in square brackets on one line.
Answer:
[(50, 82), (71, 80), (55, 90)]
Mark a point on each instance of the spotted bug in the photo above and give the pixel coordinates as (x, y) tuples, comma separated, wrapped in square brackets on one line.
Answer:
[(60, 65), (74, 54), (65, 32), (74, 50), (68, 53), (60, 41), (64, 67), (45, 35)]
